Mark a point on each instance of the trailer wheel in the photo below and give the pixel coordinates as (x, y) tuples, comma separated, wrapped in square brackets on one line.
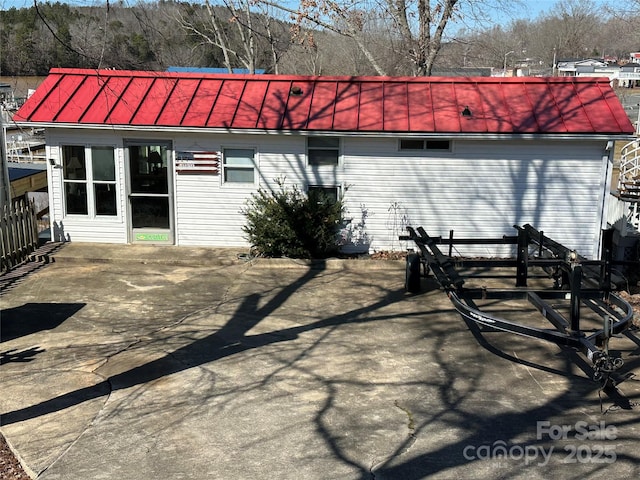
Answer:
[(412, 278)]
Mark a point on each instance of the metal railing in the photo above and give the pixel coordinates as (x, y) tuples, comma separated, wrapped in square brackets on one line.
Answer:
[(629, 75), (624, 211), (24, 151), (629, 179)]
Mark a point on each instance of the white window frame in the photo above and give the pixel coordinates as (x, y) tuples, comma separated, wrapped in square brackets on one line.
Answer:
[(89, 182), (337, 188), (224, 166), (337, 149)]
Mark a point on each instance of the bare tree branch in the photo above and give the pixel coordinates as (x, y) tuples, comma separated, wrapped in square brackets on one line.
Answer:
[(420, 24)]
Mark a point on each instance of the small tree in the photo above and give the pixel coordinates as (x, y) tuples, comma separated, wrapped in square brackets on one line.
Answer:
[(288, 223)]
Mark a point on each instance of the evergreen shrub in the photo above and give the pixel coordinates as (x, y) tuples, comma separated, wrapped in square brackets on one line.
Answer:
[(289, 223)]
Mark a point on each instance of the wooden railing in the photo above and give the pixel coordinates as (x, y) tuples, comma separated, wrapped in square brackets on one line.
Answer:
[(18, 234)]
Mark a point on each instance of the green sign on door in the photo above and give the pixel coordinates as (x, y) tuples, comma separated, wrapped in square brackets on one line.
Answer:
[(152, 237)]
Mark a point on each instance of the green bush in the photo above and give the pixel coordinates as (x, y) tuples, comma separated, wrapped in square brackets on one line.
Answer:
[(288, 223)]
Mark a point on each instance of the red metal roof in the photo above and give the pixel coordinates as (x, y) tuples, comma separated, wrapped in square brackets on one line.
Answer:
[(342, 104)]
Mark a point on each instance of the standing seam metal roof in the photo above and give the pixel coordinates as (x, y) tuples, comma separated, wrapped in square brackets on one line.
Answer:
[(521, 105)]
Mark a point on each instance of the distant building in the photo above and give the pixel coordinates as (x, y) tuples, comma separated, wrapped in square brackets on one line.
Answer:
[(621, 75), (579, 67), (629, 75)]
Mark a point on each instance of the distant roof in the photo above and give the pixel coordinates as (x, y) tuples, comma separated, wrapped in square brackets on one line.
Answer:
[(19, 170), (463, 72), (512, 105), (584, 63), (243, 71)]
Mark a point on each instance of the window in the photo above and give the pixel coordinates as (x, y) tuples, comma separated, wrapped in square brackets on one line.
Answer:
[(322, 194), (89, 187), (74, 170), (422, 144), (323, 151), (239, 165), (103, 167)]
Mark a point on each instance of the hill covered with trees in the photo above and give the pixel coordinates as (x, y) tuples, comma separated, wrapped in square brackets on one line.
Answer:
[(388, 37)]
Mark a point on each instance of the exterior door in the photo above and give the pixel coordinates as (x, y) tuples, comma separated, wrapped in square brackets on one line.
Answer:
[(150, 192)]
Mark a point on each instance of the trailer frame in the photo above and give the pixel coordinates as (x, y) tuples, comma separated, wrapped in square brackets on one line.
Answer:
[(581, 281)]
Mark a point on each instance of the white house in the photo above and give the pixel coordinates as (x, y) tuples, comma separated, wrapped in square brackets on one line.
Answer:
[(629, 75), (574, 68), (172, 157), (622, 75)]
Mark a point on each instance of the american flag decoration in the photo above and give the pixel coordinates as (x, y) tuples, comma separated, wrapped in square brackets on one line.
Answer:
[(201, 163)]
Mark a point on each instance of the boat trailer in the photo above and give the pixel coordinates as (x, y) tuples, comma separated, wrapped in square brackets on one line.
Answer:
[(576, 282)]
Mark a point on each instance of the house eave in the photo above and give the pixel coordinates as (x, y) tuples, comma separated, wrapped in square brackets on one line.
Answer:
[(366, 134)]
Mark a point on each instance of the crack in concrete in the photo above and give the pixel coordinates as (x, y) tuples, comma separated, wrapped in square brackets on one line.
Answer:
[(84, 430), (90, 424), (104, 361), (411, 439)]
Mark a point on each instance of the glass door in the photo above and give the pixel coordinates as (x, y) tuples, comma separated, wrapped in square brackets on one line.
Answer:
[(150, 192)]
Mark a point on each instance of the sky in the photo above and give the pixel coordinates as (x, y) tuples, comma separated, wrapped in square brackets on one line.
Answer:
[(532, 6), (527, 9)]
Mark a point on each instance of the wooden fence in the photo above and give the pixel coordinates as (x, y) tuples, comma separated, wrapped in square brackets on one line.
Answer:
[(18, 233)]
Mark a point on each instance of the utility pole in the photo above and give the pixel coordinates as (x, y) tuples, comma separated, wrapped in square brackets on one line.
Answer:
[(504, 67)]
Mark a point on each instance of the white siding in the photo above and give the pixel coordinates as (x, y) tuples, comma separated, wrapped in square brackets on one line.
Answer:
[(480, 189), (208, 211)]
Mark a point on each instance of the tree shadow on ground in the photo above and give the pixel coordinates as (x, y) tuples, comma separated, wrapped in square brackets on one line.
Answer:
[(453, 406), (31, 318), (500, 427), (229, 340)]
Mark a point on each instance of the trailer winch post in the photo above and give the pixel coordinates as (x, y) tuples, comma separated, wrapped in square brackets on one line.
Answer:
[(540, 242), (451, 243), (522, 263), (576, 286)]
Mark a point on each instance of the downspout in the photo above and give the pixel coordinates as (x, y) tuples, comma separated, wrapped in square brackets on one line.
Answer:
[(52, 162), (607, 166)]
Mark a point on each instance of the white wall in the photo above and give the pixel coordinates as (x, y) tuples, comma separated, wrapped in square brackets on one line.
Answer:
[(209, 210), (480, 189)]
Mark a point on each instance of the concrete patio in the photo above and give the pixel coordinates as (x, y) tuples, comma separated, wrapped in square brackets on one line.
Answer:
[(176, 363)]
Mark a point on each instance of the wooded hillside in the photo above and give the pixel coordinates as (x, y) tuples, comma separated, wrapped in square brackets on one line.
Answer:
[(308, 37)]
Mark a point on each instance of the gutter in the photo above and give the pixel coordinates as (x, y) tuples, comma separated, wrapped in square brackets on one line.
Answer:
[(333, 133)]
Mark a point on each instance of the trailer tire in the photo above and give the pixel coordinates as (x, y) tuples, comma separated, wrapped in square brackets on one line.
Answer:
[(412, 277)]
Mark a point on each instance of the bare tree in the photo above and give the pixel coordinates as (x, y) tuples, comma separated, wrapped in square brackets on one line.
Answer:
[(275, 31), (625, 27), (215, 32), (624, 8), (418, 25), (305, 56), (242, 30)]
